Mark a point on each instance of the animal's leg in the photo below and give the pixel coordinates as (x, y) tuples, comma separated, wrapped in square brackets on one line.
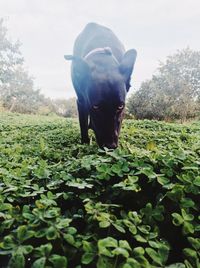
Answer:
[(83, 121)]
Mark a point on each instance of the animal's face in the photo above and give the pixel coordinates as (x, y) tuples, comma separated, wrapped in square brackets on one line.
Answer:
[(106, 97)]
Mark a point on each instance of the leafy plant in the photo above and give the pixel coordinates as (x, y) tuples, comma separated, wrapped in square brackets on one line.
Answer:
[(63, 204)]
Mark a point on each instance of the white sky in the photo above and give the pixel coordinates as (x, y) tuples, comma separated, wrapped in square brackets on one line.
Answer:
[(47, 30)]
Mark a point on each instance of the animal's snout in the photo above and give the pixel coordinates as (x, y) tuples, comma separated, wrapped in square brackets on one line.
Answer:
[(112, 145)]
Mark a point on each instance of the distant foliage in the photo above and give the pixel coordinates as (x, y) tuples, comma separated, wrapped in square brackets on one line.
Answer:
[(173, 92), (66, 108), (17, 93), (17, 90)]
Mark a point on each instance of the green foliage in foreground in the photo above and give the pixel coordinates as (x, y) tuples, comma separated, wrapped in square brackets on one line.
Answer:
[(63, 204)]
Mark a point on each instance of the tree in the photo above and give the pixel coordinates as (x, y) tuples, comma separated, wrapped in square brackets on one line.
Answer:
[(16, 85), (173, 92), (10, 56)]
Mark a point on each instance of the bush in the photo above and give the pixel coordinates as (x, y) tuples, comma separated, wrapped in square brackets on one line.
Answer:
[(173, 92)]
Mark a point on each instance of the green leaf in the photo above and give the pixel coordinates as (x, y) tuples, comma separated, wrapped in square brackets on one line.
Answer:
[(41, 233), (43, 250), (188, 264), (134, 217), (140, 238), (26, 249), (131, 263), (133, 229), (116, 168), (105, 244), (188, 228), (197, 181), (154, 244), (79, 184), (52, 233), (145, 229), (191, 253), (88, 246), (158, 213), (104, 224), (154, 256), (39, 263), (195, 242), (176, 265), (120, 251), (8, 242), (139, 251), (58, 261), (163, 180), (124, 244), (187, 202), (11, 189), (187, 216), (176, 193), (23, 233), (87, 257), (71, 230), (17, 261), (104, 262), (163, 252), (69, 238), (51, 213), (5, 206), (190, 168), (7, 223), (151, 146), (119, 228), (177, 219), (63, 223), (132, 179)]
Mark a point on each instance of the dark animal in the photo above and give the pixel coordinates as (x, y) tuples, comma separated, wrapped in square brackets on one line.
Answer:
[(101, 72)]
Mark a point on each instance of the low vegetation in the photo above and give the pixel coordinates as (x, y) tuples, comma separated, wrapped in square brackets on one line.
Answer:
[(63, 204)]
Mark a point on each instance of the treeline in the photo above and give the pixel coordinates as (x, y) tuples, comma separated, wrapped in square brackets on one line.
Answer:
[(17, 90), (173, 92)]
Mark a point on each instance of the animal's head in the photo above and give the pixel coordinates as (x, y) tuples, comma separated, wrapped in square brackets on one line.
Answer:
[(105, 82)]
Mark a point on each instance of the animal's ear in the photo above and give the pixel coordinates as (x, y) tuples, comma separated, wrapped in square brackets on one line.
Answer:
[(69, 57), (126, 66), (81, 67)]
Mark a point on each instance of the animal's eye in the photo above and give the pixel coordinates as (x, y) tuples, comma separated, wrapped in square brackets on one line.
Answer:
[(95, 107), (120, 107)]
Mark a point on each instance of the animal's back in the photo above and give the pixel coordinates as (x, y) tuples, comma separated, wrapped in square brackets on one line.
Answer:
[(97, 36)]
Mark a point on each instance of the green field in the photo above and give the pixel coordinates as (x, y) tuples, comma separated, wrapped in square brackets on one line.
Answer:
[(63, 204)]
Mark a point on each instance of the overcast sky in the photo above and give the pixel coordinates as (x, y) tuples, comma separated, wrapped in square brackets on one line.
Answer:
[(47, 30)]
